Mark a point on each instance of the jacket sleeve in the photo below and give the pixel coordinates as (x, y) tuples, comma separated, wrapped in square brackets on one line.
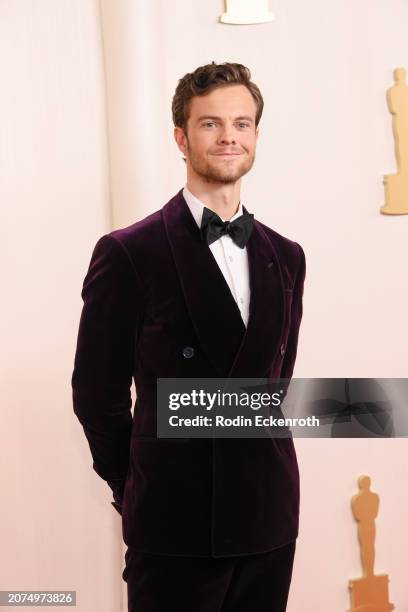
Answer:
[(295, 318), (104, 360)]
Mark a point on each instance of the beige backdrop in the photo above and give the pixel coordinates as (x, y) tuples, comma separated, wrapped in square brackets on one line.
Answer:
[(86, 145)]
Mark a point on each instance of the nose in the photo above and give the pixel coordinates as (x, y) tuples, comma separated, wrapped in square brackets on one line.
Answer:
[(226, 136)]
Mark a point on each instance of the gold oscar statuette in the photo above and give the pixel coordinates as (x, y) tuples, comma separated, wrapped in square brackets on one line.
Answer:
[(396, 185), (370, 592)]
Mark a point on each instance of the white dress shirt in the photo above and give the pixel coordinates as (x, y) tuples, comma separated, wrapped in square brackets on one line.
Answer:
[(231, 259)]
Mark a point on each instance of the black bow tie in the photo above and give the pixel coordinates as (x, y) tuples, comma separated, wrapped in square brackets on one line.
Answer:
[(213, 227)]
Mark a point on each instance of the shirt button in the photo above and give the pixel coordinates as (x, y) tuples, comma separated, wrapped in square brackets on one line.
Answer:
[(188, 352), (241, 300), (282, 349), (231, 258)]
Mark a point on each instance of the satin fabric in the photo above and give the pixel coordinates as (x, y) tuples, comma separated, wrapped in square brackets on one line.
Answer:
[(213, 227)]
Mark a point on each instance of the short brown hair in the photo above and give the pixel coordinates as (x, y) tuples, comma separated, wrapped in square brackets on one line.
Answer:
[(206, 78)]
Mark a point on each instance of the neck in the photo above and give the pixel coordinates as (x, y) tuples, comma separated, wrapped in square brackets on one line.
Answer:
[(223, 199)]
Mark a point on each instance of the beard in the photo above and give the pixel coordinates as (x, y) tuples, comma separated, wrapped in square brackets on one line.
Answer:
[(222, 171)]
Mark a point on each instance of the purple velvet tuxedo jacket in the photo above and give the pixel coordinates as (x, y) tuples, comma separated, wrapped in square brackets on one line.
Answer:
[(152, 289)]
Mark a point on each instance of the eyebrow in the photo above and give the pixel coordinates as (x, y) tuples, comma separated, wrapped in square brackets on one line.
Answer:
[(245, 117)]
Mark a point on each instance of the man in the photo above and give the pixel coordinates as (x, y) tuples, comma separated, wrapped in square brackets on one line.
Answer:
[(198, 289)]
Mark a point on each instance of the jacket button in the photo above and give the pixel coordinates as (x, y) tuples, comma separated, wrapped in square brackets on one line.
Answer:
[(282, 349), (188, 352)]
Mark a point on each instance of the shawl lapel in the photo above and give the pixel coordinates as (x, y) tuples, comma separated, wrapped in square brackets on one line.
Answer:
[(233, 350)]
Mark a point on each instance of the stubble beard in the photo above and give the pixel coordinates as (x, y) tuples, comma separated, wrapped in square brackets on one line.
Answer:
[(219, 172)]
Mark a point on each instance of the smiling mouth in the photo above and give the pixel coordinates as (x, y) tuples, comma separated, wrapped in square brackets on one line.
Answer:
[(227, 154)]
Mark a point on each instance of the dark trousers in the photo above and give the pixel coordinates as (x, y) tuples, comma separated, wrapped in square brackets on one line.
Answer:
[(249, 583)]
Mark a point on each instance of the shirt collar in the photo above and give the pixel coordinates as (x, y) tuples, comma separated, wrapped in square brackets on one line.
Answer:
[(197, 207)]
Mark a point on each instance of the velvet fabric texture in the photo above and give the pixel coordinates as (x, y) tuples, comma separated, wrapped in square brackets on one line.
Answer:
[(152, 289)]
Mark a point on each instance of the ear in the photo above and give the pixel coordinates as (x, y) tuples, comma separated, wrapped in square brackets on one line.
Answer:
[(181, 139), (257, 132)]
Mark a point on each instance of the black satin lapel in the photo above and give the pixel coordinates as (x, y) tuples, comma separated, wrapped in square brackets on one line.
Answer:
[(214, 313), (266, 310)]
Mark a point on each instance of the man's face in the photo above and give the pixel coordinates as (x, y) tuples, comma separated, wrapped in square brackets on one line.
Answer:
[(220, 138)]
